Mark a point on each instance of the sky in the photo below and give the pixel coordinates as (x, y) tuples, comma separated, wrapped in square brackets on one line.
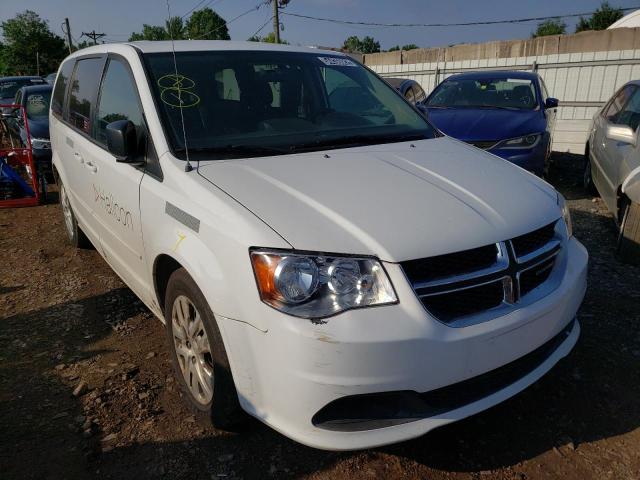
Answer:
[(118, 18)]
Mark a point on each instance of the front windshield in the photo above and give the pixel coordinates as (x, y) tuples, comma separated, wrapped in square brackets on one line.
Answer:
[(499, 92), (252, 103), (37, 104)]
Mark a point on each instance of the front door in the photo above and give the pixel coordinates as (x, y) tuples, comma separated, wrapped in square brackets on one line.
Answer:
[(602, 146), (115, 186)]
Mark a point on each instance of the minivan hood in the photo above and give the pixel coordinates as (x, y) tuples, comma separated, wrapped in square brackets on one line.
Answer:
[(486, 123), (395, 201)]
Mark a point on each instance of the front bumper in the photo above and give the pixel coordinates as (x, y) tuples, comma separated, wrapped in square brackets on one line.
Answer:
[(532, 159), (290, 373)]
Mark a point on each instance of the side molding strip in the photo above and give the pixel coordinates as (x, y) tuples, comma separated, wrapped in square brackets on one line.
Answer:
[(183, 217)]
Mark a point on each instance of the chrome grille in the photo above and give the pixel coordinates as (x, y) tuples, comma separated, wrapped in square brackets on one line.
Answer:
[(456, 287)]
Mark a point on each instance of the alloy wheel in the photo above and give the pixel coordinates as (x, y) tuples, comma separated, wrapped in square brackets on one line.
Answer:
[(66, 211), (192, 349)]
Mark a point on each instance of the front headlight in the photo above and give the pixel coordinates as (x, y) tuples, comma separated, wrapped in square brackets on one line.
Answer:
[(566, 214), (40, 143), (317, 285), (526, 141)]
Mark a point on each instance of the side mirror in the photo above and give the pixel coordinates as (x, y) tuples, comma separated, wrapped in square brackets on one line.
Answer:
[(122, 140), (551, 103), (621, 133)]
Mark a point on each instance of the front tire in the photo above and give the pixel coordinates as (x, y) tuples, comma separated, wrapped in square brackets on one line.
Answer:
[(629, 237), (587, 178), (198, 354), (76, 236)]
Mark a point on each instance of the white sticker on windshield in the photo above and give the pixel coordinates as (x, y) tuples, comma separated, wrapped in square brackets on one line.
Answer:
[(519, 80), (337, 61)]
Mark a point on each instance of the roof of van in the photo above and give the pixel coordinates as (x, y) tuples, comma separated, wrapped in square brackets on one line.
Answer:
[(201, 45)]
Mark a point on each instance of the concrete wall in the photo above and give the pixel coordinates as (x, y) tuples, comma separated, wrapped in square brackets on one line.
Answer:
[(581, 70)]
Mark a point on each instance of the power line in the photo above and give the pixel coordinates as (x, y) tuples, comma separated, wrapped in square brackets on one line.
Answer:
[(460, 24), (252, 9), (199, 5), (93, 35), (263, 25)]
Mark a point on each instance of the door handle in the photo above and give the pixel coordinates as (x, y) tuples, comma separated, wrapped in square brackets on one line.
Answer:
[(91, 167), (78, 157)]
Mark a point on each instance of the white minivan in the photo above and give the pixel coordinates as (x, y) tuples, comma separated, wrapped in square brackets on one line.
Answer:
[(321, 256)]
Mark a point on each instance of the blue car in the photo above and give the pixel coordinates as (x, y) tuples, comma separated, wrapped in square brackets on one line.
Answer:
[(507, 113)]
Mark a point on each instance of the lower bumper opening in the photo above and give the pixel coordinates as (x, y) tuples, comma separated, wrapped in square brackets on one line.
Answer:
[(378, 410)]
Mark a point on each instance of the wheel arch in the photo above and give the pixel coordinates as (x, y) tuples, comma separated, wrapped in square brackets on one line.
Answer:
[(163, 266)]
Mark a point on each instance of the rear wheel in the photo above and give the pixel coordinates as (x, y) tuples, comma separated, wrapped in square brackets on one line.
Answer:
[(77, 238), (587, 179), (629, 237), (198, 354)]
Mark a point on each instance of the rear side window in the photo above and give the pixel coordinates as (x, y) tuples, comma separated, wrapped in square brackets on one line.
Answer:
[(420, 95), (118, 100), (57, 101), (84, 85)]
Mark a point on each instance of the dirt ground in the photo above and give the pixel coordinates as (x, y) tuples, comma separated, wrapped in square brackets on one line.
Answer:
[(67, 322)]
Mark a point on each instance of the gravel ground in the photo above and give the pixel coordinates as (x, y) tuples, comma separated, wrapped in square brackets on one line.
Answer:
[(86, 389)]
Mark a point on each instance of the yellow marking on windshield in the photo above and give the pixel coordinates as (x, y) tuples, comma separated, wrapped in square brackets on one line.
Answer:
[(176, 91)]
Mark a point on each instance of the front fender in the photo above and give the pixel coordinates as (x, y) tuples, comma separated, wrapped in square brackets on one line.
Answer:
[(631, 185), (209, 234)]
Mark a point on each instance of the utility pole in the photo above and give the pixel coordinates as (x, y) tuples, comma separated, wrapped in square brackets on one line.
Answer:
[(276, 21), (94, 36), (37, 63), (66, 22)]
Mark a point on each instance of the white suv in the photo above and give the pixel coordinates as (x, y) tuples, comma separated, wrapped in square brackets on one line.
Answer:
[(321, 256)]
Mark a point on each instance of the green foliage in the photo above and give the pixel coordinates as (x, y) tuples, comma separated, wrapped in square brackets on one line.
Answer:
[(411, 46), (174, 28), (150, 32), (366, 45), (601, 19), (26, 36), (268, 38), (206, 24), (550, 27)]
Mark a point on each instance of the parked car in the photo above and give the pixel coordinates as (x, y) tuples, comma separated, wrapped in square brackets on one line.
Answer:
[(612, 165), (9, 86), (509, 114), (350, 278), (410, 89), (36, 100), (51, 78)]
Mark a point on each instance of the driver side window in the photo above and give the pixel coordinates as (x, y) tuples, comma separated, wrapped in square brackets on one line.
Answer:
[(613, 111), (630, 114)]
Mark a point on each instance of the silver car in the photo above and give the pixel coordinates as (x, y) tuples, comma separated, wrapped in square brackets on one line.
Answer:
[(613, 165)]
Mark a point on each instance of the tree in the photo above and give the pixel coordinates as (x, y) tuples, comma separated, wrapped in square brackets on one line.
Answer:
[(27, 39), (369, 45), (268, 38), (366, 45), (550, 27), (394, 49), (601, 19), (411, 46), (150, 32), (351, 44), (174, 28), (205, 24)]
